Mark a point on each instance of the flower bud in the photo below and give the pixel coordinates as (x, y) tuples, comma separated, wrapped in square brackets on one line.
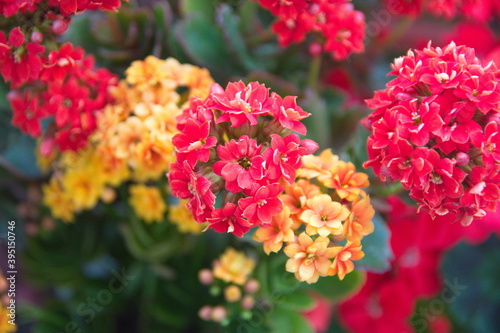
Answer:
[(36, 37), (252, 286), (248, 302), (59, 26), (463, 159), (205, 312), (219, 313), (315, 49), (205, 276)]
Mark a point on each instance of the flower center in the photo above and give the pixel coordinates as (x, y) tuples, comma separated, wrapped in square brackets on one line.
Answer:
[(262, 202), (416, 118), (191, 189), (345, 255), (324, 217), (436, 179), (245, 162)]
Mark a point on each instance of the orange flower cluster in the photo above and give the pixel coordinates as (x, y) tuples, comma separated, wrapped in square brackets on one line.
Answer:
[(326, 215), (132, 142), (229, 276)]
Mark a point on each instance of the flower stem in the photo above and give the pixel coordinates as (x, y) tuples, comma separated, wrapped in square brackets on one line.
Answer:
[(314, 70)]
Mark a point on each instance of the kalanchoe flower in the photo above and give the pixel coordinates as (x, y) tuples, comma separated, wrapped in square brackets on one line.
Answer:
[(19, 62), (342, 264), (341, 27), (241, 163), (241, 104), (194, 144), (284, 157), (309, 259), (432, 130), (239, 144), (262, 204), (229, 219)]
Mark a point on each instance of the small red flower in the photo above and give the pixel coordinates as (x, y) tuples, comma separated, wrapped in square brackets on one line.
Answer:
[(262, 204), (283, 158), (61, 63), (240, 104), (194, 143), (19, 62), (229, 219), (27, 111), (241, 163), (185, 184)]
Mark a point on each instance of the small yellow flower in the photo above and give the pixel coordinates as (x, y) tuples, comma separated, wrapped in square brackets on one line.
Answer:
[(342, 264), (146, 73), (346, 180), (309, 259), (324, 216), (233, 266), (182, 217), (359, 223), (232, 293), (84, 186), (316, 166), (58, 201), (147, 203), (151, 158), (277, 232)]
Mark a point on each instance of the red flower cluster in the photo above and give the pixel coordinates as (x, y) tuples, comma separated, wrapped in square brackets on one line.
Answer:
[(434, 128), (342, 27), (415, 269), (65, 7), (236, 148), (60, 83), (478, 10)]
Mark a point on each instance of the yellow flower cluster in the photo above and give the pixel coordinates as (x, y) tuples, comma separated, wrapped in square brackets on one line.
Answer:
[(326, 214), (182, 217), (132, 142), (229, 276)]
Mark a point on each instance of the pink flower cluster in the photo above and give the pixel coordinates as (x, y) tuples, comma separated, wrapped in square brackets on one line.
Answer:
[(235, 150), (51, 81), (473, 9), (414, 273), (341, 27), (435, 129)]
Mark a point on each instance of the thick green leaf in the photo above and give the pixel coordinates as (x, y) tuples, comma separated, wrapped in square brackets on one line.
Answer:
[(204, 7), (300, 300), (19, 156), (284, 320), (205, 44), (229, 23), (472, 293), (376, 247), (334, 289)]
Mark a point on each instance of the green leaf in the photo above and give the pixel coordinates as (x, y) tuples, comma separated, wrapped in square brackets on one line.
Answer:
[(229, 23), (205, 44), (376, 247), (300, 300), (204, 7), (472, 293), (283, 320), (334, 289), (19, 156)]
